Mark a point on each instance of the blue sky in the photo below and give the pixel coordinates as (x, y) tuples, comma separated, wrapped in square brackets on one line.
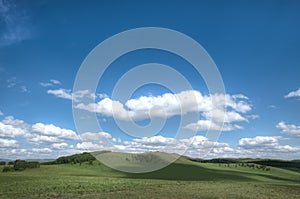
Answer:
[(255, 45)]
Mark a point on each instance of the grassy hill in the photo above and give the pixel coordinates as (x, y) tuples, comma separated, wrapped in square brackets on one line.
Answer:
[(181, 179)]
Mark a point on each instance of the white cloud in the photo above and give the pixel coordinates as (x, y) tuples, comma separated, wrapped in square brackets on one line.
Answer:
[(102, 95), (4, 143), (1, 113), (10, 131), (10, 120), (67, 94), (168, 105), (43, 139), (88, 136), (24, 89), (196, 146), (240, 96), (289, 129), (42, 150), (258, 141), (253, 117), (62, 145), (38, 133), (217, 115), (52, 82), (61, 93), (265, 144), (272, 106), (90, 146), (45, 84), (293, 94), (11, 128), (205, 125), (116, 140), (52, 130), (78, 95)]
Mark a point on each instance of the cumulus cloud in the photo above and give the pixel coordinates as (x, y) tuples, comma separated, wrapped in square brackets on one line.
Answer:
[(62, 145), (226, 116), (5, 143), (211, 107), (194, 146), (42, 150), (87, 136), (289, 129), (258, 141), (293, 94), (266, 144), (43, 139), (91, 146), (51, 141), (52, 130), (11, 127), (38, 133), (168, 105), (205, 125), (1, 113), (10, 131)]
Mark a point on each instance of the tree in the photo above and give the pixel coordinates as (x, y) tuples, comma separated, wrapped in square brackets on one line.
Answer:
[(19, 165), (2, 163)]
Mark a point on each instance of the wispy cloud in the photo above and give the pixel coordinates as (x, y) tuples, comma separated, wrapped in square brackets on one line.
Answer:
[(52, 82), (67, 94), (61, 93), (24, 89), (15, 25), (15, 83), (11, 82), (272, 106)]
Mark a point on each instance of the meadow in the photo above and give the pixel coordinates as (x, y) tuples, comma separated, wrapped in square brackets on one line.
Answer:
[(182, 179)]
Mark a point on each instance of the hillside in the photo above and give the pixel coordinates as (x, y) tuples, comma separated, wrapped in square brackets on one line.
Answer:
[(182, 179)]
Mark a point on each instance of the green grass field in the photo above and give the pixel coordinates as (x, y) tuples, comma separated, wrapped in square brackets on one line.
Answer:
[(182, 179)]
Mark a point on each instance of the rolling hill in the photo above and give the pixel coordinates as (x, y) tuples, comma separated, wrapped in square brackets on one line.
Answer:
[(83, 177)]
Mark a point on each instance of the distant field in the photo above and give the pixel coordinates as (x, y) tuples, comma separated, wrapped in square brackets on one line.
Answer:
[(182, 179)]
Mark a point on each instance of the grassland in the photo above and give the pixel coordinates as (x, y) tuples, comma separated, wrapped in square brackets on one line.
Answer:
[(182, 179)]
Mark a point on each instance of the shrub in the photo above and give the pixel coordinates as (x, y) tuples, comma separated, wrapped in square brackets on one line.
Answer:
[(32, 164), (7, 169)]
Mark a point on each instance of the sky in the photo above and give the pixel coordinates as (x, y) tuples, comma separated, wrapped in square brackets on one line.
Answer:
[(254, 44)]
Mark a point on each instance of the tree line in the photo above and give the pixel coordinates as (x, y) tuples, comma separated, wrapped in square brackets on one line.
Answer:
[(19, 165), (73, 159)]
